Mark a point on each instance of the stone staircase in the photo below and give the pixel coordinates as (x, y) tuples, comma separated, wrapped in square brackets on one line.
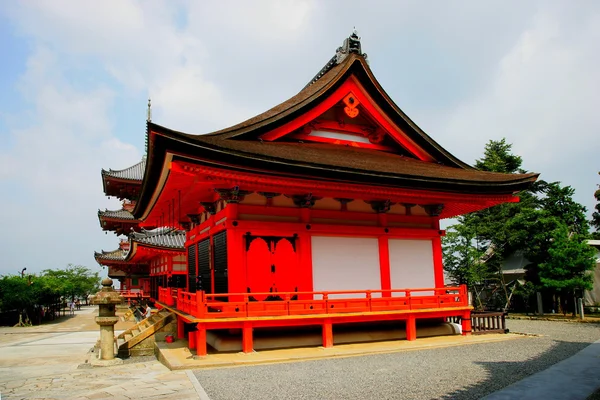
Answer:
[(139, 340)]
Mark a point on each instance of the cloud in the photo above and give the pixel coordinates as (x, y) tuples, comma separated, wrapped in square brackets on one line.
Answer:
[(86, 61), (543, 98)]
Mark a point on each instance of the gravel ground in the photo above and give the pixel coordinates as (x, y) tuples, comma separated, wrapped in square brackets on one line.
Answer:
[(463, 372)]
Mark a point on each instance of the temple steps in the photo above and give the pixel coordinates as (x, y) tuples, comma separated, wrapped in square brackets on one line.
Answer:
[(130, 342)]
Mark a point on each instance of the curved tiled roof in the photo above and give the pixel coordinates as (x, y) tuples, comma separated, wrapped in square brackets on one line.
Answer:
[(114, 255), (117, 214), (165, 238), (160, 237), (133, 173)]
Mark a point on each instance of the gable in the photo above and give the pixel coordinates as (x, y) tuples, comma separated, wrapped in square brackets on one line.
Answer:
[(349, 117)]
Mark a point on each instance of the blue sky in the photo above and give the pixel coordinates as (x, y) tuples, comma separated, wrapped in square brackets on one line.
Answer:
[(75, 77)]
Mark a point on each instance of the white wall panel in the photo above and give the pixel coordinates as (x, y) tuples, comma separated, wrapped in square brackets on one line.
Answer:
[(342, 263), (411, 264)]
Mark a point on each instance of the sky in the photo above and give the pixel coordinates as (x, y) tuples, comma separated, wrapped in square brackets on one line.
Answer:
[(75, 77)]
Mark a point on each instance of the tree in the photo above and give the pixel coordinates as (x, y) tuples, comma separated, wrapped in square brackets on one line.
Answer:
[(487, 228), (595, 222), (547, 224), (73, 281), (462, 260), (553, 238), (27, 294)]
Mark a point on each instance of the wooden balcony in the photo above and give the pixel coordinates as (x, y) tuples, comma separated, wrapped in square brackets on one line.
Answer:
[(247, 311), (244, 305)]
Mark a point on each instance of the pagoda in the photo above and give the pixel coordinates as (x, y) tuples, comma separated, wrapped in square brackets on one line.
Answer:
[(323, 210), (149, 257)]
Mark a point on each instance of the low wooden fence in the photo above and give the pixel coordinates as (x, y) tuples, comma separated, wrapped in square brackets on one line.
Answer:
[(483, 322)]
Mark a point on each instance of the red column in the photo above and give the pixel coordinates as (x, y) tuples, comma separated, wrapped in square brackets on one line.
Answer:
[(305, 249), (411, 328), (192, 340), (438, 266), (236, 267), (247, 341), (201, 340), (384, 265), (327, 334), (466, 323), (180, 328)]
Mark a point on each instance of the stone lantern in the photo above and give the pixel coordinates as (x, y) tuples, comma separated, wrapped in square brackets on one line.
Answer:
[(107, 299)]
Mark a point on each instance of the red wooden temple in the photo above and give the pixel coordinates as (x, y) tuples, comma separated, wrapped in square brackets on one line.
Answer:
[(322, 210)]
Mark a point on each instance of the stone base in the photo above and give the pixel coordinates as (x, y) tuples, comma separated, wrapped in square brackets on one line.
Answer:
[(94, 360), (105, 363)]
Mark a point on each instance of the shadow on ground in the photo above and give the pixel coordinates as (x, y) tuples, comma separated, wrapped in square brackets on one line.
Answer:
[(497, 372)]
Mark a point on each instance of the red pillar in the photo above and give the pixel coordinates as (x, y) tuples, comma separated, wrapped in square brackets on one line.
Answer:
[(438, 264), (236, 265), (180, 328), (327, 334), (384, 265), (411, 328), (201, 340), (192, 340), (466, 324), (247, 341), (306, 272)]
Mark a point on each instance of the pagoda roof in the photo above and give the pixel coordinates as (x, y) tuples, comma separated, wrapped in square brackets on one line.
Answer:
[(164, 238), (268, 143), (114, 255), (125, 183), (133, 173), (116, 214), (168, 238), (120, 221)]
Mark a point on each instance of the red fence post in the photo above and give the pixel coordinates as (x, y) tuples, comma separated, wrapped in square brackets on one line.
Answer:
[(201, 340), (411, 328), (466, 323), (247, 340), (327, 334)]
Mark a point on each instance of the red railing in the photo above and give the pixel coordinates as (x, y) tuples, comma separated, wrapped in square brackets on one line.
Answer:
[(231, 305), (131, 293)]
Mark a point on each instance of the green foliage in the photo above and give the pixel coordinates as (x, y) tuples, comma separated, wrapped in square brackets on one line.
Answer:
[(547, 225), (73, 281), (595, 222), (498, 158), (462, 258), (23, 292)]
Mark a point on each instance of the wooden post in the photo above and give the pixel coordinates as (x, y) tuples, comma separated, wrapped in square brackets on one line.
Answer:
[(411, 328), (466, 324), (247, 340), (201, 340), (180, 328), (327, 334), (192, 340)]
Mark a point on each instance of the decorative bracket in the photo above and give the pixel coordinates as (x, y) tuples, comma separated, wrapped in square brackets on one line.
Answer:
[(433, 210), (408, 207), (194, 218), (380, 206), (233, 195), (209, 207), (304, 200)]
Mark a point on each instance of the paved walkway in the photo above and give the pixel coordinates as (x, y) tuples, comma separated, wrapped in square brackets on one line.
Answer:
[(49, 362)]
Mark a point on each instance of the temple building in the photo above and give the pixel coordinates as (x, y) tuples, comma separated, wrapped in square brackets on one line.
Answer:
[(321, 211)]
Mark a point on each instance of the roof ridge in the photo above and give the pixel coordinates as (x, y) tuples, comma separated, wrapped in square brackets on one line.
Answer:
[(350, 45)]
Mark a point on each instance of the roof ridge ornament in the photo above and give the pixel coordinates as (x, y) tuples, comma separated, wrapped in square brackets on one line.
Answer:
[(149, 112), (351, 45)]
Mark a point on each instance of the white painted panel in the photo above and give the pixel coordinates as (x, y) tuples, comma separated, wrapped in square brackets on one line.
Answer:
[(342, 263), (411, 264)]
